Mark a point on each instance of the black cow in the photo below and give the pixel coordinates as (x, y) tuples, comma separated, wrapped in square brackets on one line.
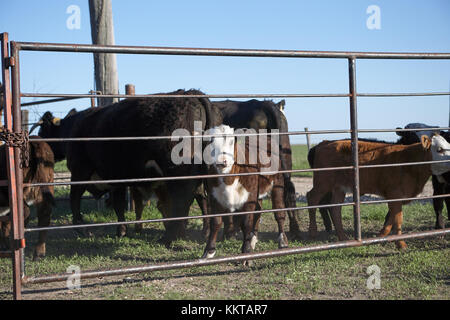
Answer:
[(107, 160), (53, 127), (256, 114)]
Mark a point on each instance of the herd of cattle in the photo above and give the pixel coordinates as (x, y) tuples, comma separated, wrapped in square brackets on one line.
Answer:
[(228, 192)]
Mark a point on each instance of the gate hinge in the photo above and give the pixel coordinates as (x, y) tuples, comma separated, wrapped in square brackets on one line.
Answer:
[(19, 243), (10, 62)]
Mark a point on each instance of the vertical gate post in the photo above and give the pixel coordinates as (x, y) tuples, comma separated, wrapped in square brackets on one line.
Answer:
[(19, 236), (12, 165), (130, 90), (354, 137)]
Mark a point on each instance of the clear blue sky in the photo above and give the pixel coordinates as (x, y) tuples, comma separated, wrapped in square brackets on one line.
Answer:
[(406, 26)]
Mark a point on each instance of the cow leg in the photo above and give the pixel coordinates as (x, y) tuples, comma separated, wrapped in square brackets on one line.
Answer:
[(138, 200), (388, 222), (215, 225), (313, 198), (438, 203), (247, 226), (76, 191), (257, 219), (203, 204), (119, 203), (397, 223), (447, 202), (179, 199), (280, 216), (5, 229), (326, 212), (338, 196), (44, 211), (290, 202)]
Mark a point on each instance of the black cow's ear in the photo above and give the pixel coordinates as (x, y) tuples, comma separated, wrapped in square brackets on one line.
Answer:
[(281, 104), (400, 133), (47, 117), (71, 113)]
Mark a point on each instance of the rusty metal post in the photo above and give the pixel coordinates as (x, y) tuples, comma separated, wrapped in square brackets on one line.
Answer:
[(12, 161), (92, 99), (17, 127), (354, 137)]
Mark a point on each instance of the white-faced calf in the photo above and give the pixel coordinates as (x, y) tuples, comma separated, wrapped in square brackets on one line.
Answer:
[(241, 193)]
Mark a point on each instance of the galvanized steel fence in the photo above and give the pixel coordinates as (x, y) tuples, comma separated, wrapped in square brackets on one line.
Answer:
[(12, 118)]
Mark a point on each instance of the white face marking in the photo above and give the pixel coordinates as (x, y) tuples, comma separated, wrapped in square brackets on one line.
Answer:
[(440, 150), (222, 148), (232, 196)]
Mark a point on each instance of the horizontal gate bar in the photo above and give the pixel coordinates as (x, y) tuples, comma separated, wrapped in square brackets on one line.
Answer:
[(404, 94), (140, 138), (213, 96), (176, 137), (235, 258), (68, 96), (65, 47), (208, 176), (104, 224)]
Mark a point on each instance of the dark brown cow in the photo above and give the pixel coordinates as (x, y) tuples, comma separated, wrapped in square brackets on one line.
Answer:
[(388, 182), (40, 170), (242, 193)]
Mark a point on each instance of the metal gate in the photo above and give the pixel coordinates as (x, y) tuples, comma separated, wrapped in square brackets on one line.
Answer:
[(12, 118)]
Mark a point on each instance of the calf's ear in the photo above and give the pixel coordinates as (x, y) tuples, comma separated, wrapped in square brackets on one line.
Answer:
[(426, 142)]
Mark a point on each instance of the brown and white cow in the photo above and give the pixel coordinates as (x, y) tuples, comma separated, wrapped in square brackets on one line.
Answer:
[(388, 182), (242, 193)]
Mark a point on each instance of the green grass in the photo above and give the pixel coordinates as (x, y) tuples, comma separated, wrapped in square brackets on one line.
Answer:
[(420, 272), (61, 166), (300, 160)]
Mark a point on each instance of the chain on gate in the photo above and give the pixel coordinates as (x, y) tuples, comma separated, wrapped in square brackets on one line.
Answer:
[(17, 140)]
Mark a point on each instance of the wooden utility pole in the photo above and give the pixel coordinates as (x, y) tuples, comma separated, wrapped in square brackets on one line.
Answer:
[(105, 65)]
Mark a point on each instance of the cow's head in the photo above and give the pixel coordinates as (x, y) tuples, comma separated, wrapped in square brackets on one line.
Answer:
[(49, 127), (222, 148), (440, 150)]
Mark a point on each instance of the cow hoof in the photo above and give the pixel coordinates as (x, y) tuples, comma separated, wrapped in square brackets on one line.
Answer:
[(165, 241), (247, 263), (84, 233), (39, 252), (282, 241), (253, 241), (121, 231), (208, 254), (401, 245), (138, 228)]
